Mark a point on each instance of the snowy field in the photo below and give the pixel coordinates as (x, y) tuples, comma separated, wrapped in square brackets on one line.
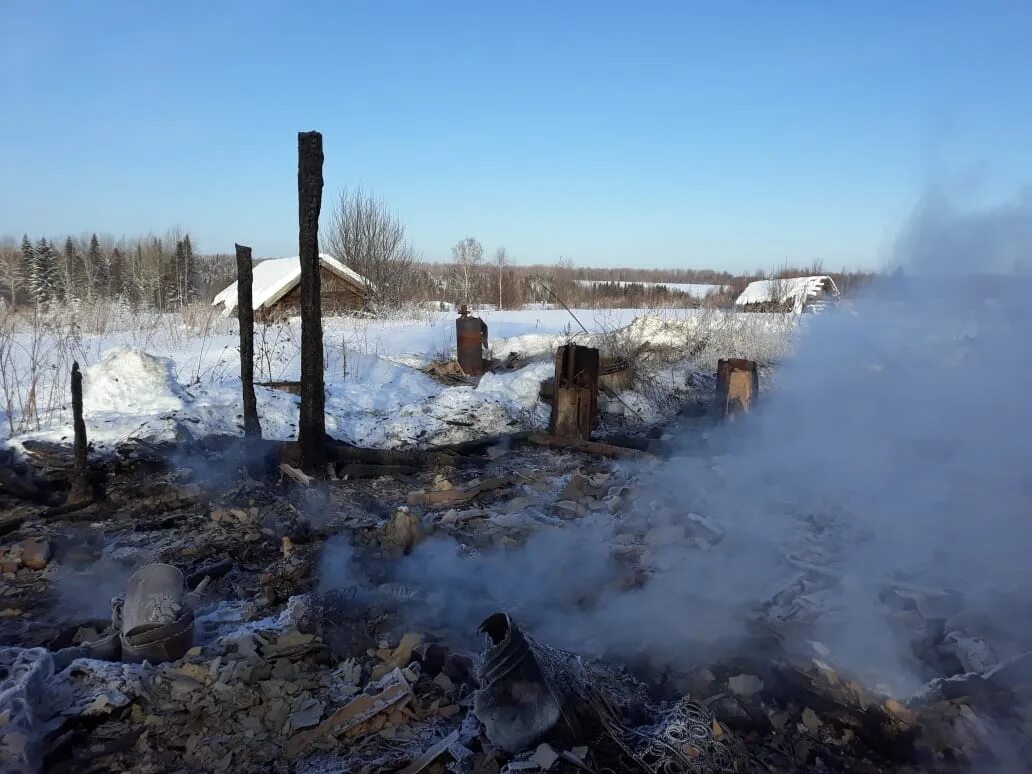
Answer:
[(146, 375)]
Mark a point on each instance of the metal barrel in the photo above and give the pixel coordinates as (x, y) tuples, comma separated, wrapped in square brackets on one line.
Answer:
[(469, 345)]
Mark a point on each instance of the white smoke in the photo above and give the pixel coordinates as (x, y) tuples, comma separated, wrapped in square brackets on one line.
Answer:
[(891, 454)]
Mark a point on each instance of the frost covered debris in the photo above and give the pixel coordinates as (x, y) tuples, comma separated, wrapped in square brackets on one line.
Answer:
[(337, 631)]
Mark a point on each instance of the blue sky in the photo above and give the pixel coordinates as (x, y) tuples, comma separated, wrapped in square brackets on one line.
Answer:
[(676, 134)]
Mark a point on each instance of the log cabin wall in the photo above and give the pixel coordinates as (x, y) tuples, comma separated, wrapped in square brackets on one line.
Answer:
[(338, 295)]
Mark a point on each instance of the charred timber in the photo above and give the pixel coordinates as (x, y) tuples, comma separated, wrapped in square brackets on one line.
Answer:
[(82, 490), (585, 447), (361, 470), (245, 314), (18, 486), (312, 424), (575, 395)]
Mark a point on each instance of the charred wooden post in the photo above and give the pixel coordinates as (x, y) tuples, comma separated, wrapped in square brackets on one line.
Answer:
[(312, 425), (575, 396), (470, 340), (82, 490), (245, 313), (738, 384)]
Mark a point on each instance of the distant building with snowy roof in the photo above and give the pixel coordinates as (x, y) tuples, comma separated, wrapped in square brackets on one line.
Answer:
[(276, 288), (793, 294)]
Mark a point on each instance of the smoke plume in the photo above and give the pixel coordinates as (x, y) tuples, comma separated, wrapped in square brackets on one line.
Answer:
[(889, 462)]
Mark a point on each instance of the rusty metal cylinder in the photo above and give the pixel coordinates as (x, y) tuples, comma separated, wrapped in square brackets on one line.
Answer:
[(515, 702), (470, 337), (157, 619), (738, 385)]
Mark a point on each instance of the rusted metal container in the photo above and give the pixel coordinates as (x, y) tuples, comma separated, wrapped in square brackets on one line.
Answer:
[(575, 398), (738, 384), (471, 340), (515, 702), (157, 620)]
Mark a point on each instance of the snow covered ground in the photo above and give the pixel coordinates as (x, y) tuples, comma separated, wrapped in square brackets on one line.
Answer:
[(143, 376)]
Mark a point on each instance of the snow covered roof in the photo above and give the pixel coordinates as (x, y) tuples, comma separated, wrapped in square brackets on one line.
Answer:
[(798, 290), (275, 277)]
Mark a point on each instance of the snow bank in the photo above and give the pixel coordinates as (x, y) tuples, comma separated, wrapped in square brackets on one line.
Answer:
[(377, 394), (378, 384), (520, 387), (131, 381)]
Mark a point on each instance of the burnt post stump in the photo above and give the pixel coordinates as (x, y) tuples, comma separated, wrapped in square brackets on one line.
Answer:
[(575, 395), (81, 490), (738, 385)]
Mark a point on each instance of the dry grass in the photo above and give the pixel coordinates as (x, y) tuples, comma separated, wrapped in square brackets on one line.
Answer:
[(38, 345)]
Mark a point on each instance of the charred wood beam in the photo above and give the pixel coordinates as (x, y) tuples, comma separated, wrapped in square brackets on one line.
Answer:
[(69, 508), (451, 455), (215, 570), (460, 494), (343, 453), (296, 474), (81, 490), (360, 470), (357, 454), (647, 445), (18, 486), (9, 524), (586, 447), (245, 313), (480, 445), (312, 424)]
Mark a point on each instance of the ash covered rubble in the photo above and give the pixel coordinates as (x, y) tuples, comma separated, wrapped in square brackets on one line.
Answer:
[(335, 631)]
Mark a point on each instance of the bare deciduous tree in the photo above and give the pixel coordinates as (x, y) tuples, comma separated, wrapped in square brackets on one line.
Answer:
[(368, 238), (10, 271), (501, 261), (467, 257), (563, 283)]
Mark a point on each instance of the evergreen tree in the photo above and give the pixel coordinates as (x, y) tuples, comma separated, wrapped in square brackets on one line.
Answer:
[(44, 280), (97, 268), (117, 274), (28, 267), (73, 279), (190, 270)]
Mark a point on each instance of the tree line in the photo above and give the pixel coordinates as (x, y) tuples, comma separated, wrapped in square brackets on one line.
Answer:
[(167, 273), (156, 272)]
